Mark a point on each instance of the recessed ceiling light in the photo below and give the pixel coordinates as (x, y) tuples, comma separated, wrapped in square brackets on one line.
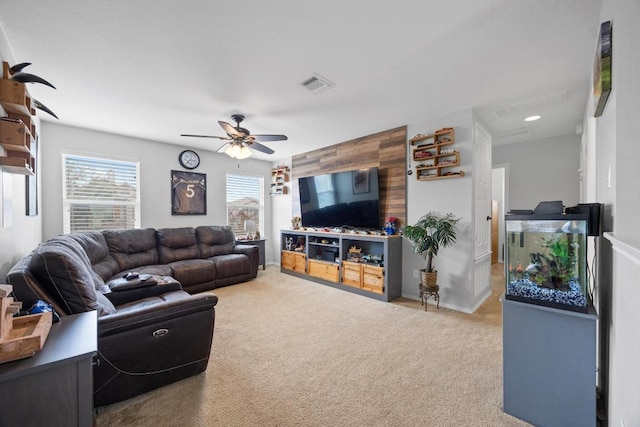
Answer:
[(532, 118)]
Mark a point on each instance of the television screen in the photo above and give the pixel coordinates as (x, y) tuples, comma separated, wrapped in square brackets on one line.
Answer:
[(342, 199)]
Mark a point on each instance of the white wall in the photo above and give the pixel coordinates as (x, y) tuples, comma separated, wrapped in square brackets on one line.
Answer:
[(454, 264), (281, 214), (156, 162), (26, 232), (546, 169), (617, 174)]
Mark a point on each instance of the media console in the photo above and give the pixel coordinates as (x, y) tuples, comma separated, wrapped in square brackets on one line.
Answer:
[(373, 268)]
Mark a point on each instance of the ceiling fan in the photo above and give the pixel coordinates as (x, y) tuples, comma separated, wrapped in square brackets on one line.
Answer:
[(240, 139)]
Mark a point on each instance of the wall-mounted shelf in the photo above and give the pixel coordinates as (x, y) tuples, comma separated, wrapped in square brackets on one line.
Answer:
[(17, 165), (28, 122), (16, 139), (17, 130), (14, 135), (14, 97), (279, 180), (434, 156)]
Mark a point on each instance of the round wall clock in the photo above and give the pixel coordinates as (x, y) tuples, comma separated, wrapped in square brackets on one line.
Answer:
[(189, 159)]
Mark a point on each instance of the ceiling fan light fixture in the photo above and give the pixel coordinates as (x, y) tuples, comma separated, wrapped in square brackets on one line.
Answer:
[(238, 152)]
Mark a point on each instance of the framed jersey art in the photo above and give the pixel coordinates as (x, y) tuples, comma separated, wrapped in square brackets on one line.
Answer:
[(188, 193)]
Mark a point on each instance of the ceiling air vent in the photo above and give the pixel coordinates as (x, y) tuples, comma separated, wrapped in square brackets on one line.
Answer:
[(317, 84), (531, 105), (507, 133)]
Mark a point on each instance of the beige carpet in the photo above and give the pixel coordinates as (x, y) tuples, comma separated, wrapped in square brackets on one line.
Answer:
[(289, 352)]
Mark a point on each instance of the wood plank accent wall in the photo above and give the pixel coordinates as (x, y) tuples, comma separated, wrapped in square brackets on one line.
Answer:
[(386, 150)]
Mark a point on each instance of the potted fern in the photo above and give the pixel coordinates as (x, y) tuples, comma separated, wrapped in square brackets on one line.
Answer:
[(432, 232)]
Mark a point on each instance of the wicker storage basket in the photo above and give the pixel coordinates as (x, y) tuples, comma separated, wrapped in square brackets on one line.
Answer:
[(429, 278)]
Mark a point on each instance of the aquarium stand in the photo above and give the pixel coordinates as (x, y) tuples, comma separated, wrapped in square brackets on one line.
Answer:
[(549, 364)]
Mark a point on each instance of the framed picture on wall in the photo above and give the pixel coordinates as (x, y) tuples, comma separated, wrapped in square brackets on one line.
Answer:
[(602, 69), (188, 193), (360, 180)]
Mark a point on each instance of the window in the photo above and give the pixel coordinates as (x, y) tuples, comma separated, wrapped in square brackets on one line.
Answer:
[(325, 190), (99, 194), (244, 202)]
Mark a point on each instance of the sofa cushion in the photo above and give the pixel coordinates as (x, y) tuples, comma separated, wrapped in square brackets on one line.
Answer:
[(215, 240), (64, 270), (132, 248), (95, 246), (156, 269), (193, 271), (231, 265), (176, 244)]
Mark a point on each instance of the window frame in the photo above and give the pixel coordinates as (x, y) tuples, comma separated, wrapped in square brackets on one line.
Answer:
[(67, 202), (261, 202)]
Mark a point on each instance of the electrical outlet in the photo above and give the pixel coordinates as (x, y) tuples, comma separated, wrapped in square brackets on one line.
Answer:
[(415, 274)]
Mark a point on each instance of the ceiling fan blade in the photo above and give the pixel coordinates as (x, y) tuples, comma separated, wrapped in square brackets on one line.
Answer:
[(265, 138), (204, 136), (230, 130), (261, 148)]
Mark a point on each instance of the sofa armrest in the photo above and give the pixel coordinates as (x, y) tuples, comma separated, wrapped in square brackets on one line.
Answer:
[(152, 342), (154, 310), (254, 256), (134, 294)]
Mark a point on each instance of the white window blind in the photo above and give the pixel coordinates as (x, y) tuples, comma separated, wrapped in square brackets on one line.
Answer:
[(100, 194), (245, 202)]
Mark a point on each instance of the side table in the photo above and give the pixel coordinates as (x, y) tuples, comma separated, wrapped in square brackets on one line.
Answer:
[(260, 244), (429, 291), (55, 386)]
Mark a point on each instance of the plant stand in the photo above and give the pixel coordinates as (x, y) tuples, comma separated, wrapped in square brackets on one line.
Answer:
[(429, 291)]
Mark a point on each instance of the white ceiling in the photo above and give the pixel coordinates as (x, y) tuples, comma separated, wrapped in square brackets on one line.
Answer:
[(157, 68)]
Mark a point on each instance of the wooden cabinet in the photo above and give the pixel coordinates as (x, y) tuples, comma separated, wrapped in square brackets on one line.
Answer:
[(352, 274), (435, 155), (364, 276), (373, 278), (376, 274), (294, 261), (279, 180), (324, 270)]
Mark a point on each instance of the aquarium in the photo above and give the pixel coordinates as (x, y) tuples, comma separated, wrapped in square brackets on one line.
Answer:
[(546, 260)]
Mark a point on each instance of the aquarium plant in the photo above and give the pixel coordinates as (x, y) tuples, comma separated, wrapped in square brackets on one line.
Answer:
[(564, 257)]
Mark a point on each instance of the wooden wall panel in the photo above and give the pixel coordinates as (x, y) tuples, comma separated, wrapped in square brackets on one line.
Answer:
[(385, 150)]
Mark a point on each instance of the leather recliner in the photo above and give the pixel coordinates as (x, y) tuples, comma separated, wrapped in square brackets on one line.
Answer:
[(160, 335)]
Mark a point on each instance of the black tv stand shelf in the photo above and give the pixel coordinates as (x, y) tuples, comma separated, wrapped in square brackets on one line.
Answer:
[(323, 257)]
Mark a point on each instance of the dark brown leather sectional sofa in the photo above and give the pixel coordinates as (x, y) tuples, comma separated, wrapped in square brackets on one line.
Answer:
[(74, 272)]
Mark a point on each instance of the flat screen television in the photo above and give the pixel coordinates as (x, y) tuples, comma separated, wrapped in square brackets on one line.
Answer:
[(349, 199)]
